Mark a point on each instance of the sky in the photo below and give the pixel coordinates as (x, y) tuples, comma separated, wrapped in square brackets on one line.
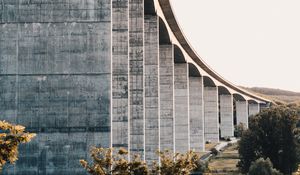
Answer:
[(250, 43)]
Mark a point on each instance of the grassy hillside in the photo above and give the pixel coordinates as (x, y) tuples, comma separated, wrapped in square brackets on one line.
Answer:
[(277, 95)]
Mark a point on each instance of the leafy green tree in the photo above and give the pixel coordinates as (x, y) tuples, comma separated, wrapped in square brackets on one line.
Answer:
[(239, 129), (247, 151), (271, 134), (263, 167), (11, 136)]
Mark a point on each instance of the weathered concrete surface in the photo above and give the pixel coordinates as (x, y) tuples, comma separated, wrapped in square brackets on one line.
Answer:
[(181, 107), (196, 113), (151, 89), (55, 80), (166, 85), (211, 114), (120, 60), (41, 11), (136, 80), (253, 109), (242, 112), (226, 115)]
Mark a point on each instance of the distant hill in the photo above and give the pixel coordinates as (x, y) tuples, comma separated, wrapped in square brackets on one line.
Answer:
[(277, 95)]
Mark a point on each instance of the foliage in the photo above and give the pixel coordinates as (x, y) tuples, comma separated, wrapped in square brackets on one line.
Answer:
[(214, 151), (177, 164), (271, 134), (105, 162), (239, 129), (201, 166), (11, 136), (263, 167)]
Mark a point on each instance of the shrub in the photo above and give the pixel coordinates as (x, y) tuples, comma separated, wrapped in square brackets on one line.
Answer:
[(263, 167)]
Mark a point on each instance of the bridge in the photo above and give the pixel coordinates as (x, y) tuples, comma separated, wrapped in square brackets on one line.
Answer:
[(110, 73)]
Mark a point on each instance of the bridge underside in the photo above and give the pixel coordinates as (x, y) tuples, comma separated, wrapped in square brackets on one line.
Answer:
[(109, 73)]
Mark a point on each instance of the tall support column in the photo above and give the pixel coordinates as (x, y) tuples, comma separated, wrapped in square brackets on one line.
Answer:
[(242, 112), (166, 74), (253, 109), (136, 77), (211, 114), (151, 88), (197, 142), (226, 115), (120, 74), (181, 107)]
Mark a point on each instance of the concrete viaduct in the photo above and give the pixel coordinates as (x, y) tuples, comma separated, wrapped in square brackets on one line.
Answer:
[(110, 73)]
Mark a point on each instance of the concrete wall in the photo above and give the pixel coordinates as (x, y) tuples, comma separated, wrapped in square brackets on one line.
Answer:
[(211, 114), (151, 89), (166, 85), (55, 79), (136, 77), (120, 60), (196, 113), (226, 115), (181, 107), (253, 109), (242, 112)]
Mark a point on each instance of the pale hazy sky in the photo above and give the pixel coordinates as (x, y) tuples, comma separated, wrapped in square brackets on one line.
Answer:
[(250, 43)]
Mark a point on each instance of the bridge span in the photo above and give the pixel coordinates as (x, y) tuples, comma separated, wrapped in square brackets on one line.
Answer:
[(110, 73)]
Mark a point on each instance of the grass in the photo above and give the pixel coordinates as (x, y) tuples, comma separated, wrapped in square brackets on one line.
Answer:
[(209, 146), (225, 162)]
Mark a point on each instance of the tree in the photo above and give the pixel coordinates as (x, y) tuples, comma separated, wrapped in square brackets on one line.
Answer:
[(263, 167), (271, 134), (239, 129), (11, 136), (105, 162), (177, 164)]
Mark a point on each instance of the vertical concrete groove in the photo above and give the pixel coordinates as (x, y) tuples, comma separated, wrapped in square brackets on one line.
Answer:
[(196, 114), (242, 112), (166, 86), (120, 73), (211, 114), (181, 107), (226, 115), (253, 109), (151, 88), (136, 57)]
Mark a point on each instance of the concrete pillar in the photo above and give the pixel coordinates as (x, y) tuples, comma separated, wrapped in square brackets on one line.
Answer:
[(242, 112), (181, 107), (120, 74), (226, 116), (136, 77), (211, 114), (166, 80), (151, 88), (253, 109), (196, 114)]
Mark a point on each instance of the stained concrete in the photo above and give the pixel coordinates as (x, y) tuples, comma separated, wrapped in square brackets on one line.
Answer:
[(226, 116), (196, 113), (152, 113), (211, 114), (55, 80), (253, 109), (136, 78), (242, 112), (166, 85), (181, 98), (120, 64)]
